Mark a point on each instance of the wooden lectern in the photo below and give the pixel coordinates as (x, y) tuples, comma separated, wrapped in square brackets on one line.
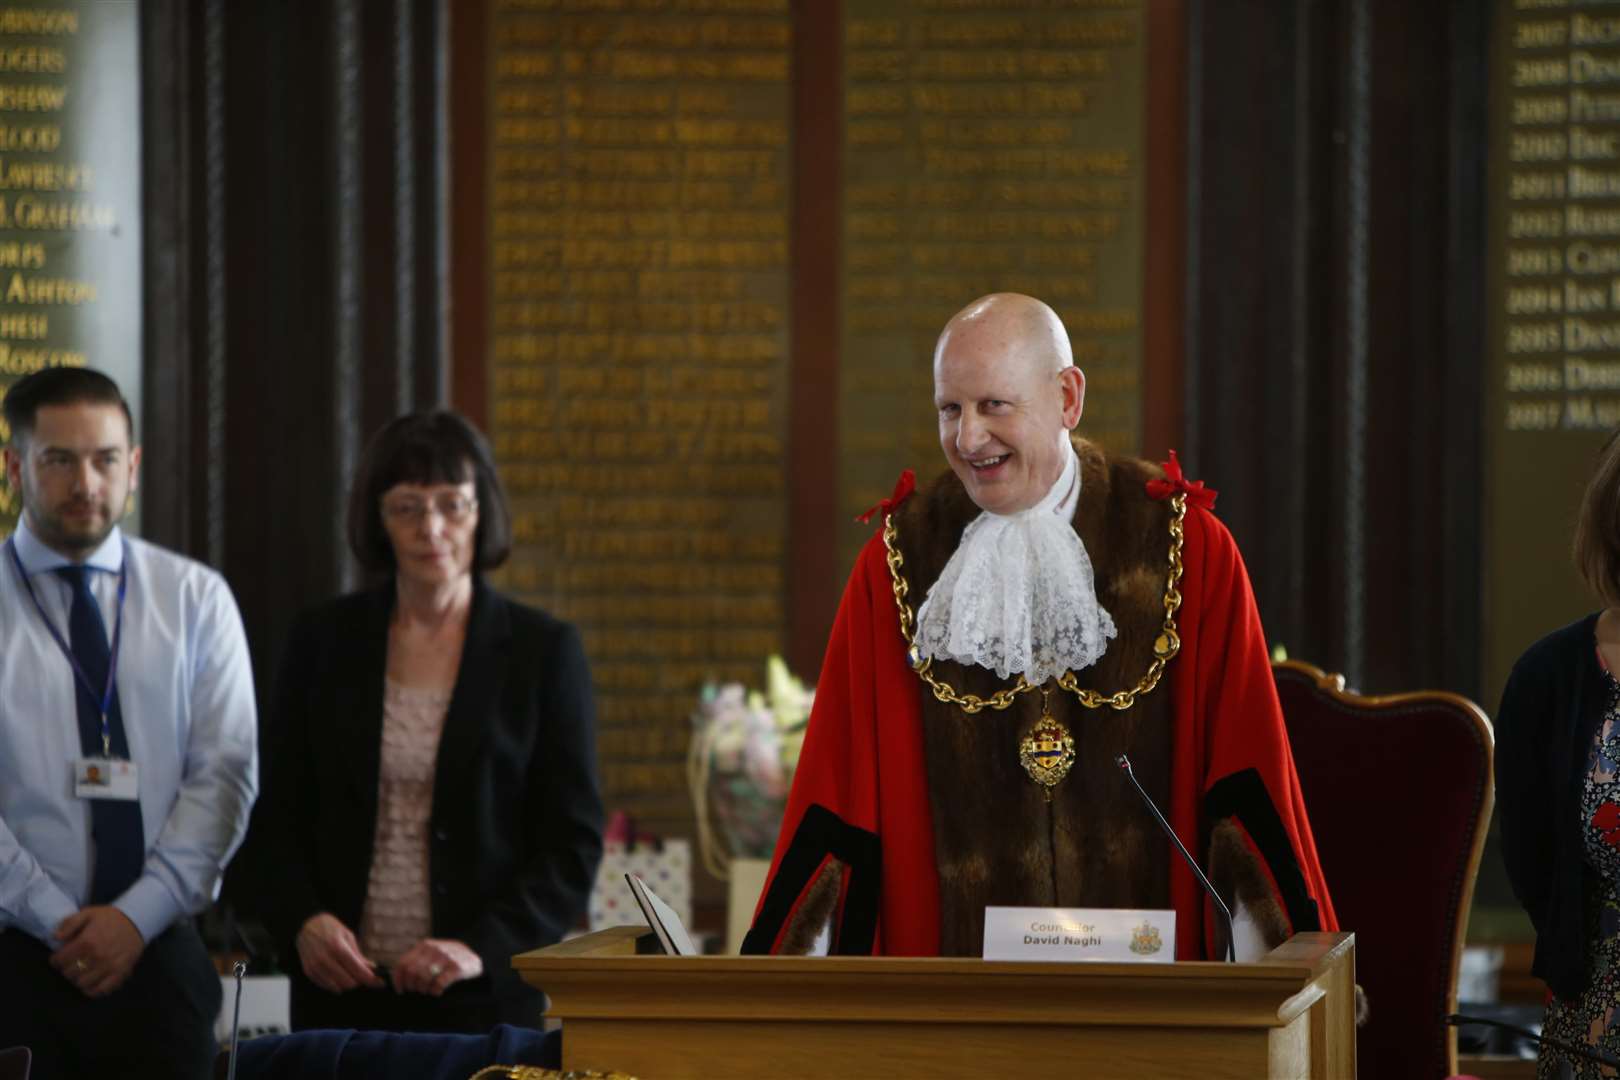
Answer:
[(663, 1018)]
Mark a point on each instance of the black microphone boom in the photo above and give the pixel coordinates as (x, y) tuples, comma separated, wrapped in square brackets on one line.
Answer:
[(1590, 1053), (1220, 905)]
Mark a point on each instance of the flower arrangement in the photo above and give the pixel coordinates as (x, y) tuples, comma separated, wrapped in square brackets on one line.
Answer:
[(739, 764)]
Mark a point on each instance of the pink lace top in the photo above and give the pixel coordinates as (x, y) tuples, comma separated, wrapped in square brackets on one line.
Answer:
[(397, 913)]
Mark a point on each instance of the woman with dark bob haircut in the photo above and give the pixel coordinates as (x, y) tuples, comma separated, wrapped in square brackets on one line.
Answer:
[(1558, 793), (430, 806)]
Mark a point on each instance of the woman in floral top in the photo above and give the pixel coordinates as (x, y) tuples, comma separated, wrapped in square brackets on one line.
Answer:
[(1558, 791)]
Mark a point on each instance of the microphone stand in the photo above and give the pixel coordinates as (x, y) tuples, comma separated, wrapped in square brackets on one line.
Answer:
[(1124, 763), (239, 969)]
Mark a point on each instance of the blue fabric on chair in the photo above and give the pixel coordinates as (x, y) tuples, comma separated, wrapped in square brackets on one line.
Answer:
[(376, 1055)]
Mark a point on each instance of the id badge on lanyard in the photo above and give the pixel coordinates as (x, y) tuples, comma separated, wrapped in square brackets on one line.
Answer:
[(103, 777)]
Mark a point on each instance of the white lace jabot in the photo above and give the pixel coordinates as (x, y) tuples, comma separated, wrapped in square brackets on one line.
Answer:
[(1018, 596)]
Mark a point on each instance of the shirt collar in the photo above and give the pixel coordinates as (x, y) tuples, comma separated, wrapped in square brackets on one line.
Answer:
[(36, 558)]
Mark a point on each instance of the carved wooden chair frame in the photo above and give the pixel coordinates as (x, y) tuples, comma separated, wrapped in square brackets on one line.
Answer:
[(1333, 686)]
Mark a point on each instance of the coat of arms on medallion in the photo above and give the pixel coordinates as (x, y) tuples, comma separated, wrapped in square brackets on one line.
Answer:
[(1047, 752)]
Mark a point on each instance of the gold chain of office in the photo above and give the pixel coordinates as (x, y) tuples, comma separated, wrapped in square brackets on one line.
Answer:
[(1165, 646)]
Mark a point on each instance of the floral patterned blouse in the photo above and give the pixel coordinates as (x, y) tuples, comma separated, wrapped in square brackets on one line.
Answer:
[(398, 911), (1591, 1019)]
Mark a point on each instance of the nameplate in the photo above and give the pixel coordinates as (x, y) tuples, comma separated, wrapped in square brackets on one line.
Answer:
[(1076, 934)]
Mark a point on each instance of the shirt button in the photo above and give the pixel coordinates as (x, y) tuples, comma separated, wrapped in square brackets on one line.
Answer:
[(441, 834), (440, 889)]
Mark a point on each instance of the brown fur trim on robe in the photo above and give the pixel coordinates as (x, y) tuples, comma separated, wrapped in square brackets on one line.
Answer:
[(997, 840), (814, 914), (1237, 874)]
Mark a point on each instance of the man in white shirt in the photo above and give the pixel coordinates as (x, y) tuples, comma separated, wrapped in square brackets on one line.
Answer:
[(128, 760)]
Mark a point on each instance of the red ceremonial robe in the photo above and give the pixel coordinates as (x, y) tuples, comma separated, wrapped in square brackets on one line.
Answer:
[(860, 797)]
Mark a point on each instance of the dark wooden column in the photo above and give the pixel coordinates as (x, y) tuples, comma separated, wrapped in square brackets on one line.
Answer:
[(182, 164), (1333, 389), (296, 277), (814, 578), (467, 213)]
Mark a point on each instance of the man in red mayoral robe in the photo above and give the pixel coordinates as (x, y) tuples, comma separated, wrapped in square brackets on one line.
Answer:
[(1011, 628)]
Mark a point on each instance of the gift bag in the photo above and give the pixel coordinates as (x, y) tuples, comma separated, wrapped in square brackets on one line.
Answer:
[(665, 865)]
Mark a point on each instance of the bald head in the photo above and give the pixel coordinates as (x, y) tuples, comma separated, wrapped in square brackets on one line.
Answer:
[(1008, 395), (1020, 329)]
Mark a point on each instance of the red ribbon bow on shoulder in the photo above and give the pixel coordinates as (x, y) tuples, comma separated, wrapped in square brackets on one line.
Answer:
[(903, 488), (1174, 481)]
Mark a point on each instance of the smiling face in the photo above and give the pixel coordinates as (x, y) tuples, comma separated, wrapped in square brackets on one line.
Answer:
[(433, 529), (1007, 398), (75, 470)]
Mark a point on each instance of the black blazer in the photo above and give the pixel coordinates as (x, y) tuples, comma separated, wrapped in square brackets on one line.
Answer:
[(516, 826), (1550, 712)]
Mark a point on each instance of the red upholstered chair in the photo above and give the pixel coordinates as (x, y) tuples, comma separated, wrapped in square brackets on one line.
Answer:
[(1399, 792)]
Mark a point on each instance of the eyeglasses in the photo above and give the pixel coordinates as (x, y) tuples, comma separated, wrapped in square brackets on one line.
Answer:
[(454, 508)]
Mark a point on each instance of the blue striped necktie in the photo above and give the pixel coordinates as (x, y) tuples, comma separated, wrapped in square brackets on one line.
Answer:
[(120, 839)]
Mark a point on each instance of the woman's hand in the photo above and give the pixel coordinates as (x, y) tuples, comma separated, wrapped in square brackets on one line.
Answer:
[(331, 956), (433, 964)]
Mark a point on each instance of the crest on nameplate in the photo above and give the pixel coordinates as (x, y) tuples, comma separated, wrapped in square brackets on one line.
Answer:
[(1047, 752), (1145, 939)]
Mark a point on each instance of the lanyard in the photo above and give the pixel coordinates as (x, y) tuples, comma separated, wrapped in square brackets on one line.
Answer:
[(105, 700)]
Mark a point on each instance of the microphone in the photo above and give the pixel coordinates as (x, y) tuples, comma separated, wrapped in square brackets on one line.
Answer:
[(1220, 905)]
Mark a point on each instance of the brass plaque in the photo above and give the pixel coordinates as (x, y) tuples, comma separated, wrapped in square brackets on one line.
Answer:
[(1553, 310), (70, 197), (639, 183), (989, 146)]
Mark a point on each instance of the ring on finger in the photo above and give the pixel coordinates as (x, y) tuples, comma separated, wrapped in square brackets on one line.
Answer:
[(436, 970), (81, 965)]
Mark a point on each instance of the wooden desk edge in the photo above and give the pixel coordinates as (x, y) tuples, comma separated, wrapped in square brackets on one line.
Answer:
[(1294, 976), (614, 949)]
